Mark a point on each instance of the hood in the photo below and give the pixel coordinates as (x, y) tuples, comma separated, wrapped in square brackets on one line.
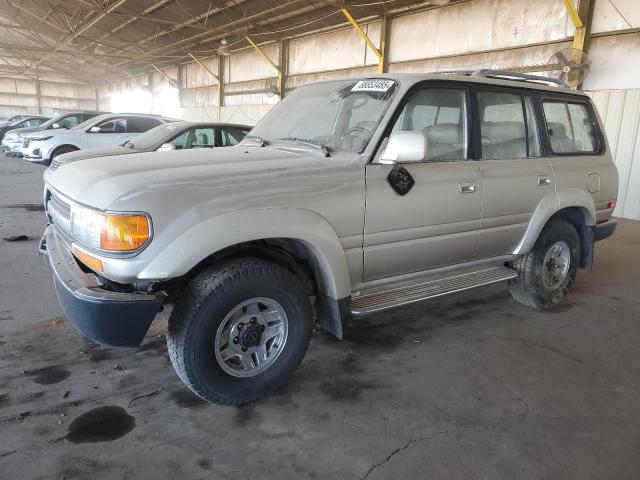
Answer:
[(29, 130), (53, 132), (99, 182), (93, 153)]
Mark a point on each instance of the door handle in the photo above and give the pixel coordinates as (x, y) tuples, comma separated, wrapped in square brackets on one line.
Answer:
[(544, 180), (466, 187)]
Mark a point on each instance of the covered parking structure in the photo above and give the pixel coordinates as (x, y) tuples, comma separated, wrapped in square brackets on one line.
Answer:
[(469, 386)]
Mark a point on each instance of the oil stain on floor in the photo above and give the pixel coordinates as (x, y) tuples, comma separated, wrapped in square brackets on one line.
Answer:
[(102, 424), (48, 375)]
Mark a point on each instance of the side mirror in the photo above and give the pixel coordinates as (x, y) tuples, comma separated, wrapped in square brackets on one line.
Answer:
[(95, 130), (405, 147), (55, 125), (166, 146)]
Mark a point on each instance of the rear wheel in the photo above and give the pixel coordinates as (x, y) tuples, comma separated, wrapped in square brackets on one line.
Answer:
[(548, 271), (239, 331)]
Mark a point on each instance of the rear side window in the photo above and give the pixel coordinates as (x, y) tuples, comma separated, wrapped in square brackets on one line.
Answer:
[(570, 127), (231, 136), (141, 124), (507, 126), (203, 138)]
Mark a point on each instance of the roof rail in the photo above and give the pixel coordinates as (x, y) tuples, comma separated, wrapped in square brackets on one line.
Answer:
[(486, 72)]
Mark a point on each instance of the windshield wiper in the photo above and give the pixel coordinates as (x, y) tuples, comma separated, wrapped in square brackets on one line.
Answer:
[(310, 143), (253, 139)]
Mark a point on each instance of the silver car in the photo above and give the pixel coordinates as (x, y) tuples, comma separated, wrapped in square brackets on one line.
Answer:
[(168, 136), (102, 131), (15, 140), (348, 198)]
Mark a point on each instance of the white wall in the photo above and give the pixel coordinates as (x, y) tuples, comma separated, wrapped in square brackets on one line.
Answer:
[(620, 113), (19, 95)]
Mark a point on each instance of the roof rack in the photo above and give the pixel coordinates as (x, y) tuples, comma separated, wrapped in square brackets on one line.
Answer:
[(506, 74), (486, 72)]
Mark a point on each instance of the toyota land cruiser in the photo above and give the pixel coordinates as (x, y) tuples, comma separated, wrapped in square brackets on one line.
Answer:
[(349, 197)]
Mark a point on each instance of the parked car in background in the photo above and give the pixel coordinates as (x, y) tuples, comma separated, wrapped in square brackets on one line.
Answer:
[(31, 121), (169, 136), (14, 118), (14, 140), (102, 131)]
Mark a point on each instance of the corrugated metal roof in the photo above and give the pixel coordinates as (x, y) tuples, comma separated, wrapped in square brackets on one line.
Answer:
[(98, 40)]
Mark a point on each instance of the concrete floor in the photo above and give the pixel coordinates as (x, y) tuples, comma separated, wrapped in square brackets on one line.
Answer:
[(470, 386)]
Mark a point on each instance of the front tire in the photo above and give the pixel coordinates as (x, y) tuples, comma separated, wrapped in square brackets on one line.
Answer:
[(239, 331), (547, 272)]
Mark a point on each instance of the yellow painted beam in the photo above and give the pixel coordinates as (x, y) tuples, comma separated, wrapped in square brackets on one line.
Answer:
[(171, 81), (367, 40), (573, 14), (264, 55), (203, 66)]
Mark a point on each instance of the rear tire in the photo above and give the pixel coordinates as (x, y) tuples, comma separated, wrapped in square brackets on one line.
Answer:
[(229, 311), (547, 273)]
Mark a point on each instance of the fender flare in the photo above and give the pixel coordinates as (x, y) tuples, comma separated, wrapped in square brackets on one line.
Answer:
[(199, 242), (550, 205)]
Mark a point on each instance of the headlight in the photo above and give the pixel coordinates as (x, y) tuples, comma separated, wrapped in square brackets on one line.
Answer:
[(109, 231), (40, 139)]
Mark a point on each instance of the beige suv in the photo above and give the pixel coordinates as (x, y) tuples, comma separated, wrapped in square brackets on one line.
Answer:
[(350, 197)]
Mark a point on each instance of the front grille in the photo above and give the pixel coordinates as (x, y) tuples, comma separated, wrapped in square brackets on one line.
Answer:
[(59, 212), (55, 163), (25, 142)]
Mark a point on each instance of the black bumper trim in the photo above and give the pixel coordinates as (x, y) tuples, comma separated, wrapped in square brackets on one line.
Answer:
[(604, 230), (108, 318)]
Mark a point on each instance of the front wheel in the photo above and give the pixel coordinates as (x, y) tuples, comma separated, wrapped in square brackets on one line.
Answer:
[(548, 271), (239, 331)]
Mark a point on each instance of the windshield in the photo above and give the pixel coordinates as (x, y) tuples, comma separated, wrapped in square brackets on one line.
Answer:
[(339, 115), (155, 137)]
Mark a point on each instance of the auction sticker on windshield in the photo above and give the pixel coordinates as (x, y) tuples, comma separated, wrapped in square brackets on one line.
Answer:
[(373, 85)]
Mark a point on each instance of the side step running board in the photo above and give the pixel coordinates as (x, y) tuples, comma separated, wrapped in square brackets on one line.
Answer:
[(395, 297)]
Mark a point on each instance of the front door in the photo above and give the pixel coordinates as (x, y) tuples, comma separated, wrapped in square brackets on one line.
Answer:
[(436, 222), (112, 131)]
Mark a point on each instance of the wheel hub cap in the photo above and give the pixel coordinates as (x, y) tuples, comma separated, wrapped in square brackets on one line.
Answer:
[(555, 266), (251, 337)]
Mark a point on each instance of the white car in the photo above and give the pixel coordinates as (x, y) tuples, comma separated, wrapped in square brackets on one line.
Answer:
[(102, 131), (14, 140)]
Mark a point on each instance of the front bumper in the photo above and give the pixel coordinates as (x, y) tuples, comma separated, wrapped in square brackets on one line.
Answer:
[(37, 160), (109, 318)]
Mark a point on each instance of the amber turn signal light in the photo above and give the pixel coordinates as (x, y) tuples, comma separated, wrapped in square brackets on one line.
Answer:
[(93, 263), (124, 233)]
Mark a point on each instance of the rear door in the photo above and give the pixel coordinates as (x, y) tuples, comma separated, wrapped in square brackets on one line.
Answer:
[(516, 176), (436, 223), (577, 150)]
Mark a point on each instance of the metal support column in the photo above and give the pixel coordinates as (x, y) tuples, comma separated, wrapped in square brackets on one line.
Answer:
[(38, 96), (283, 62), (581, 18), (220, 92)]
